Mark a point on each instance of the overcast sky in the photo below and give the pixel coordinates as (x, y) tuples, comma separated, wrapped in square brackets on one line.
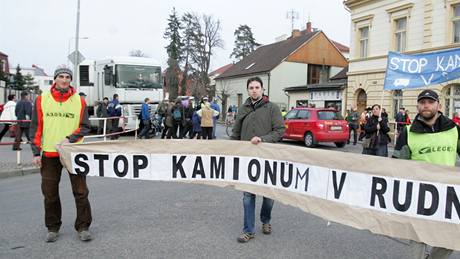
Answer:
[(38, 31)]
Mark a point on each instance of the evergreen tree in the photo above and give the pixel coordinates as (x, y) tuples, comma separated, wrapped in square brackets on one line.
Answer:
[(244, 42), (29, 83), (3, 76), (172, 34), (19, 81)]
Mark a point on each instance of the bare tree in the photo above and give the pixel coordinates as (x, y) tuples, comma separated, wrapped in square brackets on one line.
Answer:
[(138, 53)]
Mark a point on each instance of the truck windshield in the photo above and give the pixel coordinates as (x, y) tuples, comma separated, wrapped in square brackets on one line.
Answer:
[(135, 76)]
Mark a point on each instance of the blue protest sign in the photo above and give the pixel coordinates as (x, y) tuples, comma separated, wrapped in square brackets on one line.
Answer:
[(419, 70)]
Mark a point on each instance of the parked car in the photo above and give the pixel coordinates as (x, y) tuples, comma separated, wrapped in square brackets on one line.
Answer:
[(313, 125)]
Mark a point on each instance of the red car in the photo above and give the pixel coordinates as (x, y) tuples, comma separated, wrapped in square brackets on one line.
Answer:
[(313, 125)]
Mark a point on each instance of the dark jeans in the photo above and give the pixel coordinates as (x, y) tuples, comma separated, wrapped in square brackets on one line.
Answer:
[(114, 128), (18, 139), (108, 125), (380, 150), (187, 129), (206, 132), (166, 130), (354, 128), (197, 134), (51, 175), (6, 127), (145, 129), (249, 204)]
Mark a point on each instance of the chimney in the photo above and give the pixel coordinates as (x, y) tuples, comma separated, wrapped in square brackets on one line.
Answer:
[(295, 33), (309, 27)]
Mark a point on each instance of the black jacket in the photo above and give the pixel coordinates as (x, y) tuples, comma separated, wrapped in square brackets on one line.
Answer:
[(371, 127), (419, 126), (23, 111)]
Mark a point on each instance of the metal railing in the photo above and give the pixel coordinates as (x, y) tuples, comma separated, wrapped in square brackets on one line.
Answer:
[(18, 152)]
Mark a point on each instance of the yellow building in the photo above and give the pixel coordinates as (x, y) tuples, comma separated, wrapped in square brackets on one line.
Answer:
[(409, 27)]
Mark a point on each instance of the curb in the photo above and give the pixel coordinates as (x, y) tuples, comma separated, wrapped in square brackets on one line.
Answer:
[(19, 172)]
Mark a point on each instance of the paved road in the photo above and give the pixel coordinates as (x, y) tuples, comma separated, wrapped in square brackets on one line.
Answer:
[(142, 219)]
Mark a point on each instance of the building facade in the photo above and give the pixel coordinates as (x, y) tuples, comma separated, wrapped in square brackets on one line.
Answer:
[(409, 27)]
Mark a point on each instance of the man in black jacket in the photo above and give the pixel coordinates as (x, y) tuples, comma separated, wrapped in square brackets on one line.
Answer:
[(23, 112), (431, 138)]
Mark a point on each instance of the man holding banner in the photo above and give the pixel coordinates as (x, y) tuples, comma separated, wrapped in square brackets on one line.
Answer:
[(59, 116), (258, 120), (432, 138)]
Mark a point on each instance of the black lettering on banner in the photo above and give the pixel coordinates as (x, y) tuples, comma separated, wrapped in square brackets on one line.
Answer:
[(78, 161), (116, 163), (236, 168), (289, 181), (177, 166), (218, 168), (338, 190), (421, 208), (101, 159), (198, 168), (378, 192), (396, 190), (269, 171), (452, 198), (255, 162), (305, 175), (138, 166)]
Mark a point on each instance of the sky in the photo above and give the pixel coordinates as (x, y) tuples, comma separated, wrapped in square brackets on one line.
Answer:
[(39, 31)]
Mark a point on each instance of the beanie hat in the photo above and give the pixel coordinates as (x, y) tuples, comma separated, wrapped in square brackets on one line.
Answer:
[(63, 69)]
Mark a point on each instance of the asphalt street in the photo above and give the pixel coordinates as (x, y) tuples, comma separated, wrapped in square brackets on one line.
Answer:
[(144, 219)]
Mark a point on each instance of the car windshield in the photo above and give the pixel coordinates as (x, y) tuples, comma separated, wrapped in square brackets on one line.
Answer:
[(329, 115), (291, 114), (135, 76)]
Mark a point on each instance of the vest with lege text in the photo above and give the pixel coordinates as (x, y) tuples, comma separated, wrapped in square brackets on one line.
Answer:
[(60, 119), (437, 148)]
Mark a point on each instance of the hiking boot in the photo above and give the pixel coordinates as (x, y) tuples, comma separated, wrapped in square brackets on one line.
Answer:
[(245, 237), (84, 235), (51, 236), (266, 229)]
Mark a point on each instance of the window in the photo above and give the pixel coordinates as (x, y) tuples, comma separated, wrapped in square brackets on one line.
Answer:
[(363, 41), (329, 115), (400, 34), (303, 114), (292, 114), (397, 101), (108, 75), (456, 23), (451, 100), (84, 75), (313, 74)]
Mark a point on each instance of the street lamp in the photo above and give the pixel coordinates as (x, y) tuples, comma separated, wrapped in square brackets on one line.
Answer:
[(68, 48)]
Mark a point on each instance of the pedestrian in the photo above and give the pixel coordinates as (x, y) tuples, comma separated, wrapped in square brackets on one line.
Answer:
[(215, 107), (60, 116), (178, 118), (430, 130), (408, 121), (187, 118), (196, 121), (145, 117), (167, 130), (8, 114), (400, 119), (114, 110), (258, 120), (102, 112), (456, 118), (161, 110), (23, 111), (376, 137), (353, 124), (207, 114)]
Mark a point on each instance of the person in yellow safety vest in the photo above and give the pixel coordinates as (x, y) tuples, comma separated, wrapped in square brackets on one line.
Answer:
[(431, 138), (60, 116)]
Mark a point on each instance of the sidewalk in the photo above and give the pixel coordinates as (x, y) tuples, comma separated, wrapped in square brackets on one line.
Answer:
[(8, 160)]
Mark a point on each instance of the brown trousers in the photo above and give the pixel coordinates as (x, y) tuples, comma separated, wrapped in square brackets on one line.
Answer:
[(51, 175)]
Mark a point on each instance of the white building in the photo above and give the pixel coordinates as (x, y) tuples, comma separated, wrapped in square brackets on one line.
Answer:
[(41, 79), (409, 27)]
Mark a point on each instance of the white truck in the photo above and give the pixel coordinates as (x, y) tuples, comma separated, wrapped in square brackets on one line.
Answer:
[(132, 78)]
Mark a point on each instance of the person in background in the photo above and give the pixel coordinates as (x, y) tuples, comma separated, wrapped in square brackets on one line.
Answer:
[(196, 121), (23, 112), (353, 124), (8, 114), (101, 112), (400, 119), (408, 121), (114, 110), (206, 114), (377, 129), (215, 107), (145, 117)]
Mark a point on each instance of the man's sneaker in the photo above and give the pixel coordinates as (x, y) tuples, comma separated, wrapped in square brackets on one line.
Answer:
[(84, 235), (266, 229), (52, 237), (245, 237)]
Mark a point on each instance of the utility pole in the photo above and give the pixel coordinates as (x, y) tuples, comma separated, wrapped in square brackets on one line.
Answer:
[(77, 58), (292, 15)]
